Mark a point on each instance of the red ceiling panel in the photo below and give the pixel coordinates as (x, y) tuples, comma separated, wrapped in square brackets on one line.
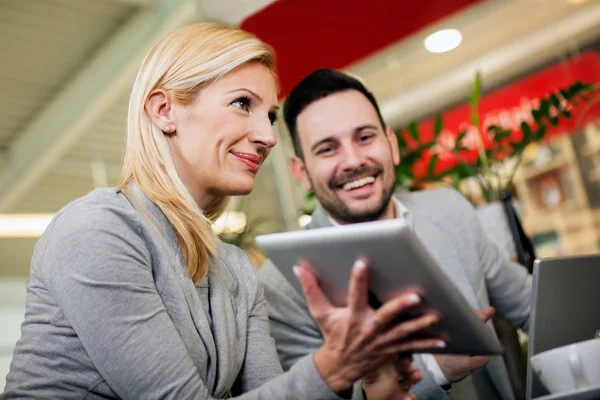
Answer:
[(312, 34)]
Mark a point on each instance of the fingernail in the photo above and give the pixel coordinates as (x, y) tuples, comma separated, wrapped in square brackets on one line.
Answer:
[(432, 321), (441, 344), (359, 264), (296, 271), (413, 299)]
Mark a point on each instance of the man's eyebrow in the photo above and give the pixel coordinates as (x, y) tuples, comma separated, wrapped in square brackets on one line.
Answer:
[(363, 127), (320, 142)]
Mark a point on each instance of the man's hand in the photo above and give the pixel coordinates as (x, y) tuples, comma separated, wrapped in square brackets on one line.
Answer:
[(392, 381), (457, 368)]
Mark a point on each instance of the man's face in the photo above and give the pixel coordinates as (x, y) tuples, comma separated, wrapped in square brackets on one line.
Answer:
[(349, 159)]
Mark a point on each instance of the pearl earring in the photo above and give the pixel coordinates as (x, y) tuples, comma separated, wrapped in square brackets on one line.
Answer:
[(167, 129)]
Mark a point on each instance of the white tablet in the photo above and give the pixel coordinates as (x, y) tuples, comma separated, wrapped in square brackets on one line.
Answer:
[(398, 262)]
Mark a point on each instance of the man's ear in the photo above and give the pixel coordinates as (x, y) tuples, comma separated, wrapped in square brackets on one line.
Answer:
[(299, 171), (394, 145), (160, 108)]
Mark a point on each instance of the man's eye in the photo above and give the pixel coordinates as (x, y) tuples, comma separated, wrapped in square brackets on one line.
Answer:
[(365, 137), (324, 150), (243, 103)]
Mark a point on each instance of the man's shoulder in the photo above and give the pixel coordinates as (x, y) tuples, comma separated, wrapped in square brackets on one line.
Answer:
[(268, 273), (273, 281), (444, 207), (434, 199)]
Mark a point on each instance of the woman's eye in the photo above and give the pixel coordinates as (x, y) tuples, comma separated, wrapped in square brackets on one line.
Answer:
[(273, 118), (243, 103)]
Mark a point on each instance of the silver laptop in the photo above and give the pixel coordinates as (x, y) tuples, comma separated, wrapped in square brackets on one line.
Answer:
[(566, 295)]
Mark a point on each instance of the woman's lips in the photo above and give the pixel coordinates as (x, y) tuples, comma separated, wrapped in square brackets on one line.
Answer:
[(251, 161)]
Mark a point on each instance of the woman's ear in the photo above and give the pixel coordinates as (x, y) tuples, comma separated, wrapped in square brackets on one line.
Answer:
[(160, 108)]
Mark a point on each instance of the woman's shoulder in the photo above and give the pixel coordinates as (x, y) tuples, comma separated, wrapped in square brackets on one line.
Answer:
[(99, 207), (98, 225), (104, 211)]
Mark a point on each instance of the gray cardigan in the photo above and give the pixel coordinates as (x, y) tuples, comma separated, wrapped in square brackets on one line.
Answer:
[(447, 225), (112, 314)]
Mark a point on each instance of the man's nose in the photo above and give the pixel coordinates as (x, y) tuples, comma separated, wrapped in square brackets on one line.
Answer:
[(353, 158)]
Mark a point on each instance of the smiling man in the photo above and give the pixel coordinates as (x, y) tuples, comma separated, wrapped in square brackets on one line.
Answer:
[(347, 155)]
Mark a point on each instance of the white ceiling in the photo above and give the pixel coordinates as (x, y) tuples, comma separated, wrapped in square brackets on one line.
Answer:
[(66, 82), (43, 44)]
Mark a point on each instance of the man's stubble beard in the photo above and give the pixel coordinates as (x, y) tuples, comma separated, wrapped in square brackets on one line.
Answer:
[(338, 210)]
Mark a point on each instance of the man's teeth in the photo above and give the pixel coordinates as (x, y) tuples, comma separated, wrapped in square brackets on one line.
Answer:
[(359, 183)]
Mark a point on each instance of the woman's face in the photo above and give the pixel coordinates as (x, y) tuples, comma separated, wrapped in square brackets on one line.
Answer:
[(219, 142)]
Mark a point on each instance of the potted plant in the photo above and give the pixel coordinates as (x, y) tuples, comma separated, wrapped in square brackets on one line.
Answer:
[(483, 170)]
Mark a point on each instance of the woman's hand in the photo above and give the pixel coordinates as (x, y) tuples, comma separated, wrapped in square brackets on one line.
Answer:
[(392, 381), (357, 339)]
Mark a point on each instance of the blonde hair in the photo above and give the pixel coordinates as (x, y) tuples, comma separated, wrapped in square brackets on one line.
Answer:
[(182, 63)]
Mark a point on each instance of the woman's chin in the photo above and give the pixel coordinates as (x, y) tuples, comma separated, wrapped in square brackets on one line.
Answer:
[(241, 190)]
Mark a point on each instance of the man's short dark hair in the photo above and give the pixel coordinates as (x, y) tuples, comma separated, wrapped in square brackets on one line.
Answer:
[(320, 84)]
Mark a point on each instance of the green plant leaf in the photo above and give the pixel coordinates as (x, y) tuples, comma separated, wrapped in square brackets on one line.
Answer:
[(413, 130), (401, 142), (554, 121), (540, 132), (588, 87), (575, 88), (545, 108), (403, 171), (439, 125), (502, 134), (455, 179), (537, 116), (432, 164), (526, 130), (555, 101), (476, 90), (565, 94), (566, 113), (458, 144)]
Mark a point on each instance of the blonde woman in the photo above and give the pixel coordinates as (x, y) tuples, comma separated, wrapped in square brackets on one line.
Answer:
[(132, 296)]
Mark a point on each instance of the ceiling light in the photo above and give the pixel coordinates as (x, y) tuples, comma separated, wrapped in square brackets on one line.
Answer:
[(442, 41), (23, 225)]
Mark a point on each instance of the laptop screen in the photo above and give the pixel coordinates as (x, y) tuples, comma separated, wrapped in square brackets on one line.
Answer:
[(566, 295)]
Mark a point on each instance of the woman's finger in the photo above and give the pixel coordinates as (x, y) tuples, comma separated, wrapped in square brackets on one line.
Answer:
[(358, 287), (318, 304), (392, 309), (405, 329), (413, 346)]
